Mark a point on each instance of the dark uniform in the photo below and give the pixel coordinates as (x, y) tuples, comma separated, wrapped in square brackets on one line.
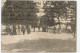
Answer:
[(54, 29), (28, 29), (73, 28), (23, 29), (14, 30)]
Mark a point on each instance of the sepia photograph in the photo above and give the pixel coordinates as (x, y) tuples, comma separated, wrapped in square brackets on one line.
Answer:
[(38, 26)]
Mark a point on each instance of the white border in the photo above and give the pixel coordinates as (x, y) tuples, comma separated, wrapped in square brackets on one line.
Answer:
[(0, 26), (78, 25), (42, 0)]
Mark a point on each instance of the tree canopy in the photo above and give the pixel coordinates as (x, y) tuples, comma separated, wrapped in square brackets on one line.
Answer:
[(19, 11), (57, 9)]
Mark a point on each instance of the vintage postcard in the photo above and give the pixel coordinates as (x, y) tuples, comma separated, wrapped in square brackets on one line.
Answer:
[(38, 25)]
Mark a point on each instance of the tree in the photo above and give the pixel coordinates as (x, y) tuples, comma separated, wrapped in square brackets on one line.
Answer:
[(58, 9), (19, 12), (54, 8)]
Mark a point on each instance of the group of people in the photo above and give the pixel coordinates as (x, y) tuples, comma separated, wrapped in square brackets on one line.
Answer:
[(18, 30), (23, 29)]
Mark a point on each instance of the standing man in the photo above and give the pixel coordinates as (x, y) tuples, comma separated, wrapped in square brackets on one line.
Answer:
[(73, 27), (34, 28), (14, 30), (18, 30), (23, 29), (28, 29), (54, 29), (38, 28)]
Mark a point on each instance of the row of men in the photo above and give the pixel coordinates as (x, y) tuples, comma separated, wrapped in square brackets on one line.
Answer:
[(27, 29), (13, 30)]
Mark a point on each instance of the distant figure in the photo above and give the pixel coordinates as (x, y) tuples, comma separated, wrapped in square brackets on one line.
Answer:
[(14, 30), (28, 29), (23, 29), (59, 29), (73, 28), (18, 30), (11, 27), (8, 30), (44, 28), (54, 29), (38, 28), (34, 29), (47, 28)]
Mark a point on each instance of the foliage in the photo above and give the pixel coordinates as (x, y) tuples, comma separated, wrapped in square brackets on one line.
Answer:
[(19, 11)]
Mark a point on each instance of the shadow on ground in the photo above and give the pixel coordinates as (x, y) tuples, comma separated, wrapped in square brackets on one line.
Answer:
[(41, 45)]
